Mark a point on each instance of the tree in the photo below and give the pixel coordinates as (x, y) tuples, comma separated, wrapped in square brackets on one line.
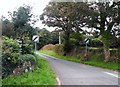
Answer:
[(22, 21), (55, 36), (104, 17), (71, 17), (7, 26), (60, 15), (45, 37)]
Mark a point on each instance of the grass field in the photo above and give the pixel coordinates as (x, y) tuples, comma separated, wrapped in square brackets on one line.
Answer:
[(42, 75), (93, 62)]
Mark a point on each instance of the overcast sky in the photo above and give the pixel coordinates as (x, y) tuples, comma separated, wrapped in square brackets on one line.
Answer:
[(12, 5)]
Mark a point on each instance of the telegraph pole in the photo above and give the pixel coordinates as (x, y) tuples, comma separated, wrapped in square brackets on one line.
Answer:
[(59, 38)]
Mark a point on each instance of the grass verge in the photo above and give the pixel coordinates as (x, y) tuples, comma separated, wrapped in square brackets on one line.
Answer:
[(42, 75), (109, 65)]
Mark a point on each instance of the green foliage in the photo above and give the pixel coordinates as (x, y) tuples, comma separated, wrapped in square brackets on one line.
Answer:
[(97, 57), (21, 16), (10, 54), (42, 75), (79, 56), (45, 37), (22, 21), (103, 17), (55, 37), (76, 38), (27, 46), (60, 15), (28, 57), (95, 42), (7, 26)]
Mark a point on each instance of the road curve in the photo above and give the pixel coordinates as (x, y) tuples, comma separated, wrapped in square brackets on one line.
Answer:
[(70, 73)]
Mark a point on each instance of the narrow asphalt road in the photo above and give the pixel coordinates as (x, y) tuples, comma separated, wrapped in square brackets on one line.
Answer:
[(70, 73)]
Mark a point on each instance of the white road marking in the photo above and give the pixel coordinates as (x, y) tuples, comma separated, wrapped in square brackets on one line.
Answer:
[(58, 80), (112, 74)]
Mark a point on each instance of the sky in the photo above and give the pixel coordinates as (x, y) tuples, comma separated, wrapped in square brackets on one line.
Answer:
[(38, 6), (12, 5)]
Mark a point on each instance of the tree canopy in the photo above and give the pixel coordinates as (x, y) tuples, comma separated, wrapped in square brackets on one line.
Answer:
[(72, 17)]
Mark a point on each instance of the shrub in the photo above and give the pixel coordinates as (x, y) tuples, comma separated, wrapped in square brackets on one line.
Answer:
[(27, 46), (28, 57), (97, 57), (12, 58), (28, 62), (79, 56), (10, 54)]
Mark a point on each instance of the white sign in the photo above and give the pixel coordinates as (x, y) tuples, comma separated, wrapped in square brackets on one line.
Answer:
[(19, 40), (35, 38), (86, 40)]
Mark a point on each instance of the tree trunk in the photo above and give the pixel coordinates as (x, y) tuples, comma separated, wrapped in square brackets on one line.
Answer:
[(105, 37), (107, 55), (67, 46), (106, 45)]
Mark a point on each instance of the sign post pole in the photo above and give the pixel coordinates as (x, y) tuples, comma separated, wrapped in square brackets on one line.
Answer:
[(59, 38), (35, 47), (35, 39), (20, 41), (86, 50), (86, 42)]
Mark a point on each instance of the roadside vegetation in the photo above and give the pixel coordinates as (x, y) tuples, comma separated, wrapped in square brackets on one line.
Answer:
[(41, 75), (78, 22), (93, 60), (94, 21), (20, 65), (74, 22)]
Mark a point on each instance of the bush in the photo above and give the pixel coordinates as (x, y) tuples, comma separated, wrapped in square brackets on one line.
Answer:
[(95, 43), (27, 46), (12, 58), (79, 56), (28, 57), (27, 63), (97, 57), (10, 54)]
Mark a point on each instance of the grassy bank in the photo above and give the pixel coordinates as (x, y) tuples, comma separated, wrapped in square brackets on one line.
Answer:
[(42, 75), (93, 62)]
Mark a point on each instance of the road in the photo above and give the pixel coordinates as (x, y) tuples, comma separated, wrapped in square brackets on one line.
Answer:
[(70, 73)]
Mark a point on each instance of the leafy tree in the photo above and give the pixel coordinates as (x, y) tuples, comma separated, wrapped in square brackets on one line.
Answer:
[(60, 15), (22, 21), (101, 16), (45, 37), (7, 26), (104, 17), (55, 36), (29, 31), (76, 38)]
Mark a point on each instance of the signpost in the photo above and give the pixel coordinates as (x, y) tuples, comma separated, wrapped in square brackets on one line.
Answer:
[(59, 38), (35, 38), (20, 41), (86, 42)]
